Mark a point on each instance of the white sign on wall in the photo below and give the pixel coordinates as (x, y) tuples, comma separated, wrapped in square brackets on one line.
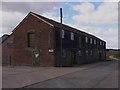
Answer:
[(51, 50), (36, 55)]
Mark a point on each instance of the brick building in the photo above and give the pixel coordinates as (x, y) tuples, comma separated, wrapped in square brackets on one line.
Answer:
[(39, 41), (7, 49)]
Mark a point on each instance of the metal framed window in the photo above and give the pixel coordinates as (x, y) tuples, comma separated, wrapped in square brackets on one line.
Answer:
[(91, 53), (72, 36), (31, 40), (91, 40), (80, 41), (86, 52), (64, 53), (103, 44), (94, 41), (63, 34), (79, 52), (86, 39), (100, 42)]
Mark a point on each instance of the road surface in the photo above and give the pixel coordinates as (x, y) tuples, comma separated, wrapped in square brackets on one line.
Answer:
[(103, 75)]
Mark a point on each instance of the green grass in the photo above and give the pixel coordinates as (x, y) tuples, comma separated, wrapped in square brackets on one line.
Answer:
[(108, 59), (117, 55)]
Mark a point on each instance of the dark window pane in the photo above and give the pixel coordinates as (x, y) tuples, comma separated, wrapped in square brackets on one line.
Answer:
[(9, 45), (31, 40), (80, 42)]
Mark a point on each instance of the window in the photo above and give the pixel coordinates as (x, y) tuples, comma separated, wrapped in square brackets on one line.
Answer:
[(31, 40), (63, 33), (72, 36), (9, 45), (103, 44), (63, 53), (86, 39), (100, 42), (86, 52), (91, 40), (79, 52), (94, 41), (80, 41), (91, 52)]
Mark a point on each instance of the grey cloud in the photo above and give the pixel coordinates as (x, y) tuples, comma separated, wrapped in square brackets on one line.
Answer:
[(16, 11)]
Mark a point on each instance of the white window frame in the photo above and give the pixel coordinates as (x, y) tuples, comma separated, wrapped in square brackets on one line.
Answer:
[(79, 52), (86, 52), (86, 39), (94, 41), (80, 41), (100, 43), (63, 53), (63, 34), (91, 40), (72, 36)]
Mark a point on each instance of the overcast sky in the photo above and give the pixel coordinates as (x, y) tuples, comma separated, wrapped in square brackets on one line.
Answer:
[(97, 18)]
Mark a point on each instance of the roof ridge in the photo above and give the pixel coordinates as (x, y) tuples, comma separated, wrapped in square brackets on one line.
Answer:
[(55, 23), (43, 17)]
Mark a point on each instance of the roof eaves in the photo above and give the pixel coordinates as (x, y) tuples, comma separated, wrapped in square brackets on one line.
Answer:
[(7, 37), (42, 19)]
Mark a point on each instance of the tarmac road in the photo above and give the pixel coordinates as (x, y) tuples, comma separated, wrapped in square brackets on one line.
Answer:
[(103, 75)]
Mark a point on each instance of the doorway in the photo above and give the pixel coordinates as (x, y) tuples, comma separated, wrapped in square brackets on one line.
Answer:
[(73, 57), (100, 56), (36, 57)]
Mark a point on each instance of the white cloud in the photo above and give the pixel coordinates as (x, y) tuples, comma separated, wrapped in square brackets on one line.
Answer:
[(107, 13), (60, 0), (9, 21), (0, 19), (51, 15), (110, 35), (25, 7), (33, 0), (11, 18), (84, 8), (94, 21), (13, 12), (111, 32), (104, 14), (111, 0)]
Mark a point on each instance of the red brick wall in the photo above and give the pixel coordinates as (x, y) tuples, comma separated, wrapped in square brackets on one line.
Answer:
[(23, 54), (7, 51)]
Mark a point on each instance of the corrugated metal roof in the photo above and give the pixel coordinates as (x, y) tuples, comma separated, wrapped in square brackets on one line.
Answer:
[(63, 26), (55, 24)]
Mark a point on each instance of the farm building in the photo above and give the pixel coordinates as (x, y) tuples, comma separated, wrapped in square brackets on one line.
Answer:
[(39, 41), (7, 49)]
